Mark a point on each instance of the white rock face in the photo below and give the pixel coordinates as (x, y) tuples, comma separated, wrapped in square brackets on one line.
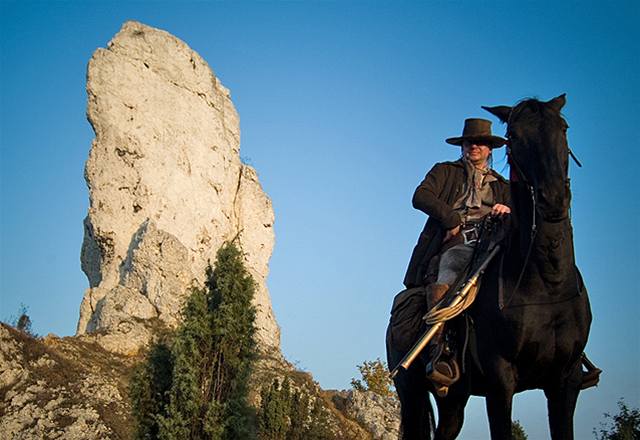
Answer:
[(166, 187), (379, 415)]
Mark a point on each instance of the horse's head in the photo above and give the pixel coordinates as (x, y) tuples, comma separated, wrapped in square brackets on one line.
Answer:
[(538, 152)]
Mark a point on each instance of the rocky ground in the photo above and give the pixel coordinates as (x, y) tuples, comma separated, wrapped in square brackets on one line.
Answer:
[(67, 388), (72, 388)]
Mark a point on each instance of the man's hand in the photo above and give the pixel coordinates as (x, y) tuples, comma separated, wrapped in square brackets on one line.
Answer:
[(451, 233), (499, 210)]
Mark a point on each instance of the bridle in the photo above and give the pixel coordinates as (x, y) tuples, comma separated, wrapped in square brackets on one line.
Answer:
[(521, 176)]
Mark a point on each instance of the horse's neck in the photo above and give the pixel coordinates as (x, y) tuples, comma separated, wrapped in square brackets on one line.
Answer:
[(544, 250)]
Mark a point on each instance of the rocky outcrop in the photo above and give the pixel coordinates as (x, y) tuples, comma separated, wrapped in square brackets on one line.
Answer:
[(166, 188), (379, 415)]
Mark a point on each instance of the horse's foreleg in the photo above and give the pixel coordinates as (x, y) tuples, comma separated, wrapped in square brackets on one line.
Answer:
[(451, 415), (416, 412), (561, 404), (499, 401)]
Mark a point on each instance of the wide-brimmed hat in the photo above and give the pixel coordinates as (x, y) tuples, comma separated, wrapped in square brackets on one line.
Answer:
[(476, 129)]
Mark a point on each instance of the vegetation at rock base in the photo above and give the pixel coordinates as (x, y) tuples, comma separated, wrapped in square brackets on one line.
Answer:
[(517, 431), (195, 386), (149, 389), (625, 425), (375, 378), (287, 414)]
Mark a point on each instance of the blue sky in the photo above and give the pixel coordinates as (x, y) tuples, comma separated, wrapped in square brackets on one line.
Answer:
[(344, 106)]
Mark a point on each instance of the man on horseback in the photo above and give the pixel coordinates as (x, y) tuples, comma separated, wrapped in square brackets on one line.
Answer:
[(456, 196), (528, 321)]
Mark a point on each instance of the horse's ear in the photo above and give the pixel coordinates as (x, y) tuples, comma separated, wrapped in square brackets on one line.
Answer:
[(501, 111), (558, 102)]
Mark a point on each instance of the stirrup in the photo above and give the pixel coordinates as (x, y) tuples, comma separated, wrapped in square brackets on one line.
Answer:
[(590, 378), (443, 374)]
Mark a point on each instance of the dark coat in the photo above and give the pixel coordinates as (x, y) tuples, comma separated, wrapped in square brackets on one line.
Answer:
[(435, 196)]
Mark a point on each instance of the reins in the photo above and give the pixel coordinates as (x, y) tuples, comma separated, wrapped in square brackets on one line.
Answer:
[(534, 226), (573, 156)]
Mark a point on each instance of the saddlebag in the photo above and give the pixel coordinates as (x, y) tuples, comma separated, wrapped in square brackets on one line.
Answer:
[(406, 324)]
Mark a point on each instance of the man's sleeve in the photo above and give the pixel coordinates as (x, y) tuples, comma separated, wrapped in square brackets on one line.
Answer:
[(427, 197)]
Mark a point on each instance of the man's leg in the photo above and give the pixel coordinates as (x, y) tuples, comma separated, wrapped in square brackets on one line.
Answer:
[(443, 370), (453, 262)]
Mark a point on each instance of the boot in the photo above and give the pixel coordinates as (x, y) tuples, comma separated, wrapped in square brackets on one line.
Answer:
[(442, 368), (435, 293)]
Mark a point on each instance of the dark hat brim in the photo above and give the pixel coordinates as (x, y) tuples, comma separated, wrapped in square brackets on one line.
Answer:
[(493, 141)]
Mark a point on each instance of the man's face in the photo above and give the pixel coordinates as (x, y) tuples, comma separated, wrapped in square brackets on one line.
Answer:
[(476, 151)]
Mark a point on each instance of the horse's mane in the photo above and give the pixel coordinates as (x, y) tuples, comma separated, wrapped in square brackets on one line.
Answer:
[(532, 111)]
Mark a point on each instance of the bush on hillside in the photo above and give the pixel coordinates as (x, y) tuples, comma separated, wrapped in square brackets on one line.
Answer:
[(287, 414), (375, 378)]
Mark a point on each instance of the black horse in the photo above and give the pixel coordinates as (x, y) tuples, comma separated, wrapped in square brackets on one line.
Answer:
[(532, 315)]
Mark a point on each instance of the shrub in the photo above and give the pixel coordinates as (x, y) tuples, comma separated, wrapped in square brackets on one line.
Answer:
[(22, 322), (375, 378), (517, 431), (298, 415), (286, 414), (622, 426)]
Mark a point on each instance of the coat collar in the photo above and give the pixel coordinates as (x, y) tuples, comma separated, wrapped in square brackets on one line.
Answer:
[(460, 164)]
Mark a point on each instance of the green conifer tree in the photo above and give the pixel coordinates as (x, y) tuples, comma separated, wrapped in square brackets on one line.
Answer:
[(273, 417), (298, 416), (212, 357), (232, 290), (191, 352)]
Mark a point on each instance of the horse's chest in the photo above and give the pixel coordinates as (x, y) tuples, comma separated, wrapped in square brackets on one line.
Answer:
[(537, 329)]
